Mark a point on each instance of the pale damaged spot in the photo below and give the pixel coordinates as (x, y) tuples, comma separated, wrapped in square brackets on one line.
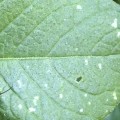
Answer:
[(48, 71), (86, 62), (89, 103), (106, 111), (100, 66), (118, 34), (31, 109), (107, 100), (86, 95), (65, 19), (35, 100), (79, 7), (60, 96), (114, 24), (27, 67), (36, 97), (76, 49), (19, 84), (114, 95), (46, 85), (81, 110), (20, 106)]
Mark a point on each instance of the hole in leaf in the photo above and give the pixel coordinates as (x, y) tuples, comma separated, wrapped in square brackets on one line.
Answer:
[(117, 1), (79, 79)]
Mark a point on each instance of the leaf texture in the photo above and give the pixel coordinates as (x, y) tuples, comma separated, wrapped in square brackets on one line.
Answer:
[(60, 58)]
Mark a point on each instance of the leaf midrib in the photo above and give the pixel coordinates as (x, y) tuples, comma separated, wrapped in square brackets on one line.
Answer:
[(57, 57)]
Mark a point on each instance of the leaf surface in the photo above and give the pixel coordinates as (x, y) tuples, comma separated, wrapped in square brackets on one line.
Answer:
[(60, 58)]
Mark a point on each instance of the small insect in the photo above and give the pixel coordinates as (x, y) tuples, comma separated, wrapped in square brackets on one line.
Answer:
[(5, 91)]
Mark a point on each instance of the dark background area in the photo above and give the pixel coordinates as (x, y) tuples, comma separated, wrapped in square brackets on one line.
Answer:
[(117, 1), (115, 115)]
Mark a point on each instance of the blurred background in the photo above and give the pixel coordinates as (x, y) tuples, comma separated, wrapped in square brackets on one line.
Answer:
[(115, 115), (117, 1)]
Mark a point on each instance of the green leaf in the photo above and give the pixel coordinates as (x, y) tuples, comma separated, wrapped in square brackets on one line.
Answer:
[(60, 58)]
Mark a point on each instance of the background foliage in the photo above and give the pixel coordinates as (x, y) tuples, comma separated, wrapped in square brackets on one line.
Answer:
[(118, 1)]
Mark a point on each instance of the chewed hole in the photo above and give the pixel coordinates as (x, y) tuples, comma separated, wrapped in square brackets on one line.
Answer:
[(79, 79), (117, 1)]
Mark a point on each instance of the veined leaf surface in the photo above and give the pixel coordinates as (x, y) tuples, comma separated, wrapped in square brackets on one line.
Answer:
[(61, 59)]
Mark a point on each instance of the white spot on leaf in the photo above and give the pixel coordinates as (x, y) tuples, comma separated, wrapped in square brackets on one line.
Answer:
[(81, 110), (65, 19), (106, 111), (114, 95), (60, 96), (107, 100), (31, 109), (89, 103), (86, 62), (114, 24), (35, 100), (36, 97), (46, 85), (19, 83), (27, 67), (86, 95), (79, 7), (76, 49), (20, 106), (118, 34), (100, 66), (48, 71)]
